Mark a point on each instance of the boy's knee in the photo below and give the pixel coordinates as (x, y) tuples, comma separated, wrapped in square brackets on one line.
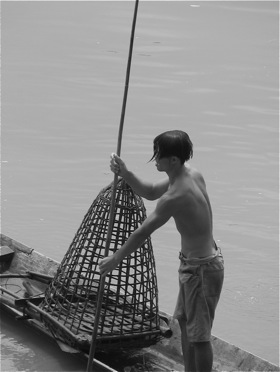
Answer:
[(202, 345)]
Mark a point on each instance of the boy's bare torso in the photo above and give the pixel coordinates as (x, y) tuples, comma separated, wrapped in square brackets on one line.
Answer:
[(192, 213)]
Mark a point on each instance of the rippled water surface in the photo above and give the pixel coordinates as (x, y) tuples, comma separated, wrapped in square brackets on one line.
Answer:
[(210, 68)]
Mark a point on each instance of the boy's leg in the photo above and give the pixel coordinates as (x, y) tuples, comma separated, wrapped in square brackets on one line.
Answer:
[(187, 349), (198, 356), (203, 356)]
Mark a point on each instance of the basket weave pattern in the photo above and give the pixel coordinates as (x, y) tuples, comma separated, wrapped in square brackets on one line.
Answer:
[(129, 312)]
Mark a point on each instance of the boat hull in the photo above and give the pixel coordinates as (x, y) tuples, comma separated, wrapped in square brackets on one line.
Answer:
[(20, 268)]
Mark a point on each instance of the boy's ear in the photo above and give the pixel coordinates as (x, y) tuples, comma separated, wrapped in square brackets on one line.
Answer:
[(174, 159)]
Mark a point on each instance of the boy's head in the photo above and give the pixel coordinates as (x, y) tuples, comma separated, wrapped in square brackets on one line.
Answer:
[(173, 143)]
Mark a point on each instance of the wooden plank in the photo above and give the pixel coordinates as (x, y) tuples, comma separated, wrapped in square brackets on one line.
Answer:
[(5, 240), (6, 253), (34, 300)]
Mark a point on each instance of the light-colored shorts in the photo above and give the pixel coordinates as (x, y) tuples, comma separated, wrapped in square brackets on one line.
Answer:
[(200, 285)]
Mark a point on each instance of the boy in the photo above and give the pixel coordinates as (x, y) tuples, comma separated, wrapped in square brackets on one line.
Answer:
[(182, 196)]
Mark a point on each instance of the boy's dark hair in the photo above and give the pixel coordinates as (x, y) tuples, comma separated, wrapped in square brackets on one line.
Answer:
[(173, 143)]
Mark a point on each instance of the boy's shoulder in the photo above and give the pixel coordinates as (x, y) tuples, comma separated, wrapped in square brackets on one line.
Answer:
[(196, 175)]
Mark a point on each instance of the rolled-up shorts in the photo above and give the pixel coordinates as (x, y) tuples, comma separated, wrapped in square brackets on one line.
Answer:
[(200, 285)]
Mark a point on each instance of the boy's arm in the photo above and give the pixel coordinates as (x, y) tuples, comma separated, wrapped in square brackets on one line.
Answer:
[(156, 219), (147, 190)]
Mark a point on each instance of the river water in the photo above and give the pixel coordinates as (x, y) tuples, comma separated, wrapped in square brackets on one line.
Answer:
[(209, 68)]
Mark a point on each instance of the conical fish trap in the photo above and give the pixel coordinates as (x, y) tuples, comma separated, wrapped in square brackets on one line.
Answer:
[(129, 312)]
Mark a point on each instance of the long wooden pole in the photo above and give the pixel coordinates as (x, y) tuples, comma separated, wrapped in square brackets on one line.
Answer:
[(113, 197)]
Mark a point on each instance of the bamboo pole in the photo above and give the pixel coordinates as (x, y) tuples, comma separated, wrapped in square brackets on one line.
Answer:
[(114, 187)]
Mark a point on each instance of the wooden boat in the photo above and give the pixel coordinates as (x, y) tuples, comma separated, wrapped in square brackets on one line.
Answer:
[(30, 272)]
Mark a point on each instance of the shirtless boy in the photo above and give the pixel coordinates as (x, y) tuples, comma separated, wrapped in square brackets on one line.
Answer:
[(182, 196)]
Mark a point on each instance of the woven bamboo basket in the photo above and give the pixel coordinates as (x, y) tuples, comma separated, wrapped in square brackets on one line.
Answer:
[(129, 315)]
